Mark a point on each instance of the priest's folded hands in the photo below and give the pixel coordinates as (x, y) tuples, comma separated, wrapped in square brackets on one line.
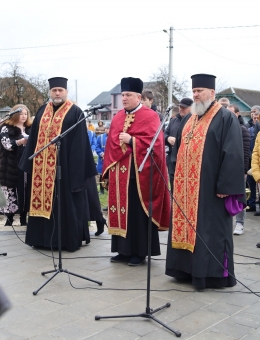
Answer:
[(124, 137)]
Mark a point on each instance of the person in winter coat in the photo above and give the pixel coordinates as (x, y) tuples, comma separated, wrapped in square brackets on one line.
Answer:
[(240, 217), (14, 133)]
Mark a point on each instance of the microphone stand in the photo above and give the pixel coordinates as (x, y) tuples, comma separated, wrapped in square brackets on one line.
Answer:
[(57, 141), (148, 314)]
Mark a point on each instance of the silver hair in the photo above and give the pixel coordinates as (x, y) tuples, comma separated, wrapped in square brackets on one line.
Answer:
[(256, 107)]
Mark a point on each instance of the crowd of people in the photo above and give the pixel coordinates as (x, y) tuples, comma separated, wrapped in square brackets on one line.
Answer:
[(210, 151)]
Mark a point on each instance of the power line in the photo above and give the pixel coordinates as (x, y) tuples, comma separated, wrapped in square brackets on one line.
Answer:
[(213, 28), (219, 55), (126, 36)]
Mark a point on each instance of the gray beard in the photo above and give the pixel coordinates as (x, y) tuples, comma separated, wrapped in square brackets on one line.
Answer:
[(57, 101), (200, 108)]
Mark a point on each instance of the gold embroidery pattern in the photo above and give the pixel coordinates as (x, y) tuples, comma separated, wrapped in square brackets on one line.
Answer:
[(44, 165), (129, 119), (187, 179), (123, 210), (113, 168), (123, 169), (113, 209)]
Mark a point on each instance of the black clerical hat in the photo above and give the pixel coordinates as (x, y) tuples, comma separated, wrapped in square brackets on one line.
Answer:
[(203, 80), (131, 85), (58, 82)]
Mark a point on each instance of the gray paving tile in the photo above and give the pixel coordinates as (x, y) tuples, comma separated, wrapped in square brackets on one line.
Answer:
[(230, 329), (114, 334), (225, 308), (5, 335), (212, 336), (198, 320), (246, 319)]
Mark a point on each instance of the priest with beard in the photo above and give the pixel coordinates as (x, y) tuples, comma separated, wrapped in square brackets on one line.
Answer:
[(77, 167), (208, 191), (131, 132)]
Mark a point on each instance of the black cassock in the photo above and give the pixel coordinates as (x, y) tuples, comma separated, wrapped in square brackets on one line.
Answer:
[(222, 172), (77, 165)]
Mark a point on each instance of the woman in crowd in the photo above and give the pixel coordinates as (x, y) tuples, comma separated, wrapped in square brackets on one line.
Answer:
[(14, 133), (100, 128)]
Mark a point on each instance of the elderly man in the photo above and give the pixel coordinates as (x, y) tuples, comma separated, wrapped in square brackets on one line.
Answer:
[(255, 112), (131, 132), (224, 102), (172, 129), (208, 184), (77, 165), (240, 217)]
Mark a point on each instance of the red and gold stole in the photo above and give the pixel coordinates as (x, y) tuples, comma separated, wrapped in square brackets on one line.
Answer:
[(44, 164), (187, 179), (118, 199)]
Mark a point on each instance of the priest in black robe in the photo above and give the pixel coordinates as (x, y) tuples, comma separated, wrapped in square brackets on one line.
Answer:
[(77, 166), (208, 191)]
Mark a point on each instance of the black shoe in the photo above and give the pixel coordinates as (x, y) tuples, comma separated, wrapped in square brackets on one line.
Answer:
[(136, 260), (100, 226), (105, 209), (120, 258), (257, 213), (251, 209), (258, 245)]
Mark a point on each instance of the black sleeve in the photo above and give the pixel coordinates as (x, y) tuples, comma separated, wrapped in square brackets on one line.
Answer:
[(167, 133), (173, 157), (246, 147)]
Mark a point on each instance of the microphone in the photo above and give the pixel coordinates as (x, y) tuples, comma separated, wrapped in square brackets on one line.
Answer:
[(10, 114), (96, 107), (170, 107)]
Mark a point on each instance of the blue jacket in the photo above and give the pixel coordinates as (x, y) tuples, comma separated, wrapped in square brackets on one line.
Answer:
[(100, 148), (92, 140)]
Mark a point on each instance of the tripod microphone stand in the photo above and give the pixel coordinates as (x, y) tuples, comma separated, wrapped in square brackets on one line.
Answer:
[(57, 141), (148, 314)]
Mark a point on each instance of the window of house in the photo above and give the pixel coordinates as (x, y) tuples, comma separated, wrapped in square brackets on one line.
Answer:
[(115, 101)]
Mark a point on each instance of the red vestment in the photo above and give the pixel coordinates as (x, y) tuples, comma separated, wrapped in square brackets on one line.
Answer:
[(142, 126)]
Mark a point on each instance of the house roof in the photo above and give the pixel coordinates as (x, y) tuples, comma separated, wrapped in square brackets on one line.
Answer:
[(6, 109), (117, 88), (249, 97), (104, 98)]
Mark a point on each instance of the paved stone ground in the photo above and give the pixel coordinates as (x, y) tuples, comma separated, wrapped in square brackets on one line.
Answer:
[(59, 311)]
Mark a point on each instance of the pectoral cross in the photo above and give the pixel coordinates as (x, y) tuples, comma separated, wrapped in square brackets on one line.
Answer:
[(188, 137), (129, 119)]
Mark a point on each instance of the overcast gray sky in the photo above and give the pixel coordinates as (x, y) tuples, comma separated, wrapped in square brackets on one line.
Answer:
[(99, 42)]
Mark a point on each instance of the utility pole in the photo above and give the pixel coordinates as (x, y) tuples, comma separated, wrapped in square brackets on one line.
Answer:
[(76, 88), (170, 66)]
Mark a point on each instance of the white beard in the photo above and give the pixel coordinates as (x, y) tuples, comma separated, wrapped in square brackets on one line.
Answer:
[(200, 108)]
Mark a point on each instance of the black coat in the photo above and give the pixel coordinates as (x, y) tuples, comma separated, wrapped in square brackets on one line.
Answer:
[(246, 144), (9, 159), (171, 130)]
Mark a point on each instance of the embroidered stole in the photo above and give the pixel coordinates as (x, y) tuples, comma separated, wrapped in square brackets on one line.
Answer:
[(187, 179), (119, 174), (44, 164)]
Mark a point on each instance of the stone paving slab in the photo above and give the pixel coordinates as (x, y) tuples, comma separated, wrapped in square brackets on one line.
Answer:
[(59, 311)]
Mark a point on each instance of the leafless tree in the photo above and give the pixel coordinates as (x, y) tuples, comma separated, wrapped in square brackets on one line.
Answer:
[(16, 86), (160, 83)]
